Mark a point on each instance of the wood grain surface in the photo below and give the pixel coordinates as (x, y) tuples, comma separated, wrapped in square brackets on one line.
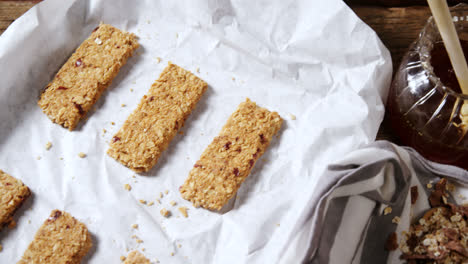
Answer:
[(397, 23), (397, 3), (11, 10)]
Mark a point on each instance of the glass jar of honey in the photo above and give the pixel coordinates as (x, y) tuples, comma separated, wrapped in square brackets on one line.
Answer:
[(425, 103)]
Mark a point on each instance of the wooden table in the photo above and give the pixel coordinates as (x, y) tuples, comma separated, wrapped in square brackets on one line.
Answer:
[(397, 22)]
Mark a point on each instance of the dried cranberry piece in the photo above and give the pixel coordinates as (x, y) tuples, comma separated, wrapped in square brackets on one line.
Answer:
[(412, 241), (236, 171), (251, 162), (197, 165), (78, 63), (227, 145), (262, 139), (256, 153), (62, 88), (151, 98), (115, 139), (54, 217), (80, 109), (7, 184), (96, 29)]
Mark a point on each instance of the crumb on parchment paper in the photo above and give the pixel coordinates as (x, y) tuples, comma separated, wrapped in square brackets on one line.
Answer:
[(183, 211), (164, 212), (48, 145)]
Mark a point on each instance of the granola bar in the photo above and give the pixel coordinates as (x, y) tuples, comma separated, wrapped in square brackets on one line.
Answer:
[(228, 160), (12, 195), (162, 111), (61, 239), (136, 257), (86, 74)]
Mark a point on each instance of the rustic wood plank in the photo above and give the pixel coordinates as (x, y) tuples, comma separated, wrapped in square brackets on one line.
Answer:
[(11, 10), (397, 3), (397, 27)]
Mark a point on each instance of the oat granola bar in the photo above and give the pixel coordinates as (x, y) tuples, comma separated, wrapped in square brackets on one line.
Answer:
[(61, 239), (148, 130), (12, 195), (136, 257), (86, 74), (228, 160)]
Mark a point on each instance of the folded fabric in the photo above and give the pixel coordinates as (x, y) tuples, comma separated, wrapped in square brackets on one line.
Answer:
[(348, 225)]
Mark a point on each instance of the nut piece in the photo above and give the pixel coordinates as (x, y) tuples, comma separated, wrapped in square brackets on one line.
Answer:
[(173, 203), (164, 212), (387, 210), (127, 187), (293, 117), (135, 226), (183, 211), (166, 191), (81, 155), (122, 258), (150, 203), (12, 224), (142, 201), (48, 145)]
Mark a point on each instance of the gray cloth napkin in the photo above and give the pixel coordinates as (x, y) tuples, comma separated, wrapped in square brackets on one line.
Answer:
[(348, 221)]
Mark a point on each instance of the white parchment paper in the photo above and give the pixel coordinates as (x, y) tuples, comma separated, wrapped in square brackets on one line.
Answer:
[(313, 59)]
